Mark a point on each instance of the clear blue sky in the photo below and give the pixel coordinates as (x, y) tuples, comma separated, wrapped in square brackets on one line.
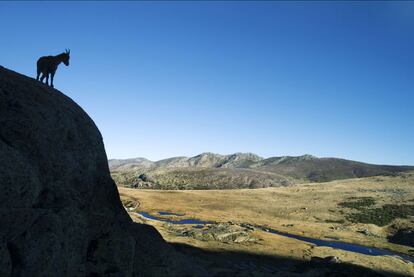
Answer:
[(164, 79)]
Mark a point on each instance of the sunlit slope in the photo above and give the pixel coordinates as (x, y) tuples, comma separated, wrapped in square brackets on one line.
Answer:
[(240, 170)]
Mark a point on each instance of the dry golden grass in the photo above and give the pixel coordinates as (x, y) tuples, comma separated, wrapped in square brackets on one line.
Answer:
[(301, 209)]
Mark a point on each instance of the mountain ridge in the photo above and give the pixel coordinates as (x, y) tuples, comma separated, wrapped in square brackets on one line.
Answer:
[(115, 163), (243, 170)]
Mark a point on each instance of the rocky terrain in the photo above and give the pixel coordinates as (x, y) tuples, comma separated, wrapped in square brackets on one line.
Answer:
[(239, 170), (60, 211), (199, 178), (221, 232)]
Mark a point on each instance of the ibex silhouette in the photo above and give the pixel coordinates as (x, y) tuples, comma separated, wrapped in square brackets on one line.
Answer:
[(49, 64)]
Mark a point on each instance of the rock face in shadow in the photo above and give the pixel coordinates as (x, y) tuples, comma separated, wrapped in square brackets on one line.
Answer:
[(60, 212)]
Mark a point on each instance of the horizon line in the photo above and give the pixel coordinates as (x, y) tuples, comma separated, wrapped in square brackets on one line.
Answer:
[(268, 157)]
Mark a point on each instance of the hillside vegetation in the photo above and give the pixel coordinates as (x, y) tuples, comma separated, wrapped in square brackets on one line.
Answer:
[(239, 170)]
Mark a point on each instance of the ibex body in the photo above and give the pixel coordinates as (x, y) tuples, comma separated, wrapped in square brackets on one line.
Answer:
[(49, 64)]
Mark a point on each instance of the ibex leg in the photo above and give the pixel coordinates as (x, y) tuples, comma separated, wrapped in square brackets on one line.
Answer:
[(52, 75)]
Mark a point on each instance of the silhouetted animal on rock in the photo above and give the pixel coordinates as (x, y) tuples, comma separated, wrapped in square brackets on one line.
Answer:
[(49, 64)]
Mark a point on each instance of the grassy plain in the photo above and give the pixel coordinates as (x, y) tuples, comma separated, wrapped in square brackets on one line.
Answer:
[(346, 210)]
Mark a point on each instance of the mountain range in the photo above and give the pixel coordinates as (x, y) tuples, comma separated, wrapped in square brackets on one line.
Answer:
[(239, 170)]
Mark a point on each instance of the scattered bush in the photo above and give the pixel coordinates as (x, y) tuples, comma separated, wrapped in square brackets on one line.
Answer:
[(340, 221), (358, 203), (380, 216)]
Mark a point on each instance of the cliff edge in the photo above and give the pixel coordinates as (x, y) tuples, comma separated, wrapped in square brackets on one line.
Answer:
[(60, 212)]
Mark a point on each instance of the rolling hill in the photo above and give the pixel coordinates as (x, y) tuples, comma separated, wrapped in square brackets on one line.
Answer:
[(239, 170)]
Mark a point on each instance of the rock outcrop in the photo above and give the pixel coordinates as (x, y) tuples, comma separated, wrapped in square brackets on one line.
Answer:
[(222, 232), (60, 212)]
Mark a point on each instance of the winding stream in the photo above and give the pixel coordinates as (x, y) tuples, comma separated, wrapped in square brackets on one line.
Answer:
[(351, 247), (168, 213), (181, 221)]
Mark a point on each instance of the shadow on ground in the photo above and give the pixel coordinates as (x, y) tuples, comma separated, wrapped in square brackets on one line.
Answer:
[(227, 263)]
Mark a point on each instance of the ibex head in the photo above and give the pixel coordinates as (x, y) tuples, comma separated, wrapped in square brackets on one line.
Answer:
[(66, 57)]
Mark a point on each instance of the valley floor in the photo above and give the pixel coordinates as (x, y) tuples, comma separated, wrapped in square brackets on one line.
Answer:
[(332, 210)]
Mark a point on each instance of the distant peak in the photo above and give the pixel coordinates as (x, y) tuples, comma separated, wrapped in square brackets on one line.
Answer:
[(209, 154), (308, 157)]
